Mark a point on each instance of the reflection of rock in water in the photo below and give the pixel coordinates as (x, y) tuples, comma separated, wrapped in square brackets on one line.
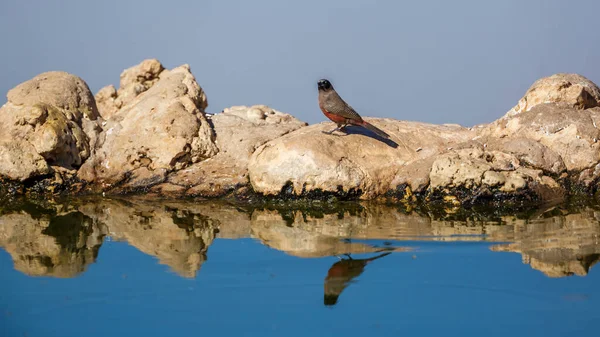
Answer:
[(558, 246), (272, 231), (62, 240), (173, 232), (375, 221), (341, 274), (59, 246)]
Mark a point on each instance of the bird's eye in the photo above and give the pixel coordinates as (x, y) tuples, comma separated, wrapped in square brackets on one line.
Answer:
[(324, 84)]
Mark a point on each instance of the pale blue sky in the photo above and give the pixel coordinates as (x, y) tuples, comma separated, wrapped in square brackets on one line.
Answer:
[(461, 61)]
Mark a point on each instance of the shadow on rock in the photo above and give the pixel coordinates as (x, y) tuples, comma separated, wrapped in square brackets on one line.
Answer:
[(358, 130)]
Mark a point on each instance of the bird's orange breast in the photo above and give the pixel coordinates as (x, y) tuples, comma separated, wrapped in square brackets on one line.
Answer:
[(333, 117)]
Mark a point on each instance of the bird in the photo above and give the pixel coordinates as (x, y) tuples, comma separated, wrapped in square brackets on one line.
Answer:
[(339, 112), (341, 274)]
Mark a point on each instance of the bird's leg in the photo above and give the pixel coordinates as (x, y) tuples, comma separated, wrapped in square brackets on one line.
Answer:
[(339, 127)]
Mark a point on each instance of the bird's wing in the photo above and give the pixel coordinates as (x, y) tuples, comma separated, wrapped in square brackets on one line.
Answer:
[(337, 106)]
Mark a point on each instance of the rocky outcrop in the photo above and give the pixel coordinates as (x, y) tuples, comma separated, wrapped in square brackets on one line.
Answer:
[(472, 174), (50, 124), (153, 136), (57, 114), (134, 81), (20, 161), (161, 130), (566, 90), (159, 139), (535, 154), (239, 131), (309, 161), (448, 162), (572, 135)]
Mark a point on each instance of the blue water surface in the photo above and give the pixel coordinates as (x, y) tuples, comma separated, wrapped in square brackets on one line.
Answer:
[(248, 289)]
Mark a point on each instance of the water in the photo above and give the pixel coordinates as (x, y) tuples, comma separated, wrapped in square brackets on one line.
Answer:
[(128, 268)]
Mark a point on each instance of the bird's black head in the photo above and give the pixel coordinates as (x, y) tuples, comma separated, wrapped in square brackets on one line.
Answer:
[(324, 85)]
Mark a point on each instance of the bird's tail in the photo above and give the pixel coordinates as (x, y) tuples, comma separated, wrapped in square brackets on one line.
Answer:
[(375, 129), (377, 257)]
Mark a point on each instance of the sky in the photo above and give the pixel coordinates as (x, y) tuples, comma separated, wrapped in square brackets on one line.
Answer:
[(465, 62)]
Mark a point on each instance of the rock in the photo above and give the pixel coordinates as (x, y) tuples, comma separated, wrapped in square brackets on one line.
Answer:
[(309, 160), (571, 134), (468, 167), (530, 153), (134, 81), (414, 175), (20, 161), (58, 89), (588, 177), (489, 174), (156, 138), (522, 155), (140, 78), (52, 116), (160, 131), (239, 131), (60, 141), (212, 177), (106, 100), (568, 90)]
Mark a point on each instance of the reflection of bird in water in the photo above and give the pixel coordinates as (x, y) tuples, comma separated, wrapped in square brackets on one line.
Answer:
[(341, 274)]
